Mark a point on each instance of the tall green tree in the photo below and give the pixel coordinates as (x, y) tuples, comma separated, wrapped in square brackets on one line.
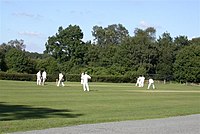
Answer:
[(5, 47), (3, 66), (166, 56), (111, 35), (107, 55), (181, 41), (195, 41), (187, 64), (146, 47), (18, 44), (43, 64), (66, 45), (92, 56), (3, 50), (140, 50), (17, 61)]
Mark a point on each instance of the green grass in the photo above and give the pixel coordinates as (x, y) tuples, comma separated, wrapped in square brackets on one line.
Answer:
[(26, 106)]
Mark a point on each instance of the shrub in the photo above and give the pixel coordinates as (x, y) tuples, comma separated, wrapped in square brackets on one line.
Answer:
[(110, 78), (17, 76), (68, 77)]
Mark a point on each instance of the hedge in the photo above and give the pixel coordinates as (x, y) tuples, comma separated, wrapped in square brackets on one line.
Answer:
[(17, 76), (68, 77)]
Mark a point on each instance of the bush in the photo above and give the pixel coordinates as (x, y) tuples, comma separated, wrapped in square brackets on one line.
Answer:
[(114, 79), (17, 76), (68, 77), (73, 77), (23, 77), (52, 77), (101, 78)]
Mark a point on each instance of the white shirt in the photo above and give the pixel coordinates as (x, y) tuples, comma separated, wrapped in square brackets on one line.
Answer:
[(85, 78), (151, 81), (38, 75), (142, 79), (82, 75), (44, 75), (60, 76)]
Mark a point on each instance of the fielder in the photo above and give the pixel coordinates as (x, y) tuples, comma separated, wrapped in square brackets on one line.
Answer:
[(61, 80), (151, 82), (138, 82), (85, 78), (38, 78), (44, 77), (142, 81)]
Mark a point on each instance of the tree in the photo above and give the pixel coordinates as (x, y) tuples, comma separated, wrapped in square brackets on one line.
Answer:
[(166, 56), (43, 64), (18, 44), (147, 35), (3, 66), (181, 41), (187, 65), (17, 61), (4, 48), (137, 54), (140, 50), (107, 56), (111, 35), (92, 56), (195, 41), (35, 55), (66, 44)]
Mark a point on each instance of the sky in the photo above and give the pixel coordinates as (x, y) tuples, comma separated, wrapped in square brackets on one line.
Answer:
[(35, 20)]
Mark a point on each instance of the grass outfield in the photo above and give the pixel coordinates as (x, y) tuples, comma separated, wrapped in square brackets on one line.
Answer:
[(26, 106)]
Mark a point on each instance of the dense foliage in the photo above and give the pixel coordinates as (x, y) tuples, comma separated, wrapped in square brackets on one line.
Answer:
[(114, 53)]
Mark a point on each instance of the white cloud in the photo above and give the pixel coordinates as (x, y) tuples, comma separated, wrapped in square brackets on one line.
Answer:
[(35, 34), (144, 24), (29, 15), (23, 14), (86, 12), (34, 47), (190, 38)]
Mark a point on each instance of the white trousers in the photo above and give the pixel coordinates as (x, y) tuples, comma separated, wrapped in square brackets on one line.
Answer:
[(43, 81), (38, 81), (60, 80), (137, 84), (150, 85), (141, 84), (86, 87)]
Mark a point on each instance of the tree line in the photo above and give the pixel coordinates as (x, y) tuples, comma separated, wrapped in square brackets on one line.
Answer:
[(112, 52)]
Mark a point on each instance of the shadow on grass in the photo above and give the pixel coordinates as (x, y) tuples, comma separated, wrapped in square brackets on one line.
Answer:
[(22, 112)]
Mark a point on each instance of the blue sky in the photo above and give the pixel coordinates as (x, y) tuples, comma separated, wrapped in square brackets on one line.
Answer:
[(35, 20)]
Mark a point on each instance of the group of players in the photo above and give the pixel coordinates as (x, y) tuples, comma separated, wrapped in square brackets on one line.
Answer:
[(41, 78), (140, 82)]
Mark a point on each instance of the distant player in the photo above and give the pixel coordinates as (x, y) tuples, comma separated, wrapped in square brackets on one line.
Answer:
[(138, 82), (151, 82), (38, 78), (85, 78), (44, 77), (142, 81), (60, 80)]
